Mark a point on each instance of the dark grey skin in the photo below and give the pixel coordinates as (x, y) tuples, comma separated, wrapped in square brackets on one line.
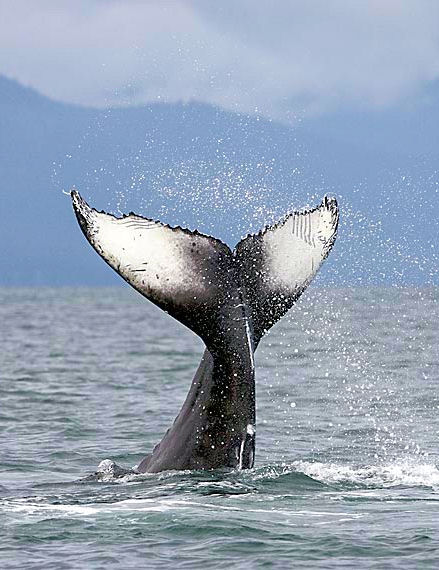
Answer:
[(212, 429), (230, 299), (215, 426)]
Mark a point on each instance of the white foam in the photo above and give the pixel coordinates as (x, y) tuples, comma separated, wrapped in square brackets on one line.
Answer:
[(37, 508), (399, 473)]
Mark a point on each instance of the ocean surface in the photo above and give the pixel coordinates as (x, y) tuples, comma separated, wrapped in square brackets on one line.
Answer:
[(346, 472)]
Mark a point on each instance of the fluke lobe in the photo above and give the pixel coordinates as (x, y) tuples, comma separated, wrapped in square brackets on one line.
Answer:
[(229, 298)]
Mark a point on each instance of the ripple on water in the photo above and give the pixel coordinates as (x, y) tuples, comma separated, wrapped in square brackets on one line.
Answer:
[(346, 477)]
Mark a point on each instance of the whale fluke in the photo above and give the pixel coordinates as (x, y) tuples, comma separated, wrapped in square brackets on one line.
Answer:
[(279, 262), (185, 273), (229, 298)]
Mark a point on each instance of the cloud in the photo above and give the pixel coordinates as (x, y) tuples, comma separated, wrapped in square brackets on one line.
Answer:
[(277, 58)]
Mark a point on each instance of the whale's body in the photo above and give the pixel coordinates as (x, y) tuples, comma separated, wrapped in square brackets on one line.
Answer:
[(230, 299)]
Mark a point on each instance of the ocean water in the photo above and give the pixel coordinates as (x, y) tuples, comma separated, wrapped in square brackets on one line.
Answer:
[(346, 472)]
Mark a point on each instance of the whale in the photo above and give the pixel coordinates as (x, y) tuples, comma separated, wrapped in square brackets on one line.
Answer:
[(229, 298)]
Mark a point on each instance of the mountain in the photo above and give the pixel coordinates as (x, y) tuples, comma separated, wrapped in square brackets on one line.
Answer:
[(220, 172)]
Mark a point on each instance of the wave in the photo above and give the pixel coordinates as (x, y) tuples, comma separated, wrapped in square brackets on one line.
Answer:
[(404, 473), (173, 490), (302, 474)]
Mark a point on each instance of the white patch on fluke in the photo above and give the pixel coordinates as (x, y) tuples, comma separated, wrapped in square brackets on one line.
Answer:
[(295, 249), (147, 254), (173, 267)]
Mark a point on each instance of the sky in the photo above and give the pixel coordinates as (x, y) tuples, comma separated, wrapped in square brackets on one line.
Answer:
[(361, 71), (280, 59)]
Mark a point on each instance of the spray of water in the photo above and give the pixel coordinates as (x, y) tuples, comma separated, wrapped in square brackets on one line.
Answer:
[(229, 193)]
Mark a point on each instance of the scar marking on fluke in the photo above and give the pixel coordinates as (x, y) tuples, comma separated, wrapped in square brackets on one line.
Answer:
[(229, 298)]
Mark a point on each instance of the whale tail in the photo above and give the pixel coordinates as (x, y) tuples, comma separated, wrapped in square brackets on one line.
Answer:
[(230, 299), (193, 276)]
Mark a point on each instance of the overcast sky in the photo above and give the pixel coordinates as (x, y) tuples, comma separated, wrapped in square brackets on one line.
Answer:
[(275, 57)]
